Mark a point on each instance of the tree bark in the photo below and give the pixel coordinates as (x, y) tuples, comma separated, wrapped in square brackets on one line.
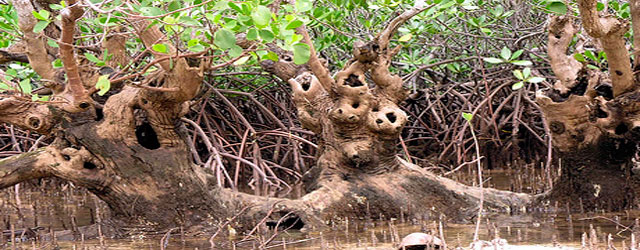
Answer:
[(135, 156), (592, 115)]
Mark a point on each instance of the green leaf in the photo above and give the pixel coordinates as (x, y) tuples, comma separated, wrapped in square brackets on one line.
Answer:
[(267, 36), (467, 116), (589, 54), (505, 53), (493, 60), (151, 11), (25, 86), (579, 57), (57, 63), (92, 58), (517, 85), (516, 54), (52, 43), (235, 7), (293, 24), (518, 74), (103, 84), (600, 6), (304, 5), (39, 27), (271, 56), (4, 86), (557, 7), (197, 48), (42, 15), (536, 79), (252, 34), (261, 16), (405, 38), (301, 53), (235, 51), (189, 21), (522, 63), (159, 47), (526, 72), (222, 5), (224, 39), (242, 60)]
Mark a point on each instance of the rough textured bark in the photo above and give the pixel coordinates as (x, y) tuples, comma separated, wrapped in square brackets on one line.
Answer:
[(135, 155), (592, 115)]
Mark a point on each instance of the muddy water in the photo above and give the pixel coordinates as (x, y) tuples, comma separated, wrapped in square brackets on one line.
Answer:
[(60, 206)]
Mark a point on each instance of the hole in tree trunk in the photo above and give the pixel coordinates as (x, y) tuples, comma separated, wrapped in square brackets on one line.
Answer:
[(99, 114), (605, 90), (147, 137), (581, 87), (392, 117), (89, 165), (83, 105), (34, 122), (355, 105), (305, 86), (353, 81), (291, 221), (621, 129), (601, 113)]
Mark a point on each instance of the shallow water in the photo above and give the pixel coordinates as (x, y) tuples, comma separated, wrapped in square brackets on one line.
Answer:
[(57, 207)]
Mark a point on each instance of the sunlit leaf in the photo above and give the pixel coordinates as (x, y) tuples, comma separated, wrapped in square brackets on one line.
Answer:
[(505, 53), (261, 16), (522, 63), (518, 74), (304, 5), (536, 79), (405, 38), (151, 11), (526, 72), (242, 60), (516, 54), (103, 84), (159, 47), (25, 86), (467, 116), (301, 53), (493, 60), (517, 85)]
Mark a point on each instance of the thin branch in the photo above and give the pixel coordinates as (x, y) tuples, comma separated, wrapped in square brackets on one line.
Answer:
[(80, 100), (385, 35)]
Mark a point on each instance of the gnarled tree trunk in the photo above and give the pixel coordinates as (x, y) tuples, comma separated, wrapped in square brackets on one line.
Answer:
[(593, 115), (132, 151)]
